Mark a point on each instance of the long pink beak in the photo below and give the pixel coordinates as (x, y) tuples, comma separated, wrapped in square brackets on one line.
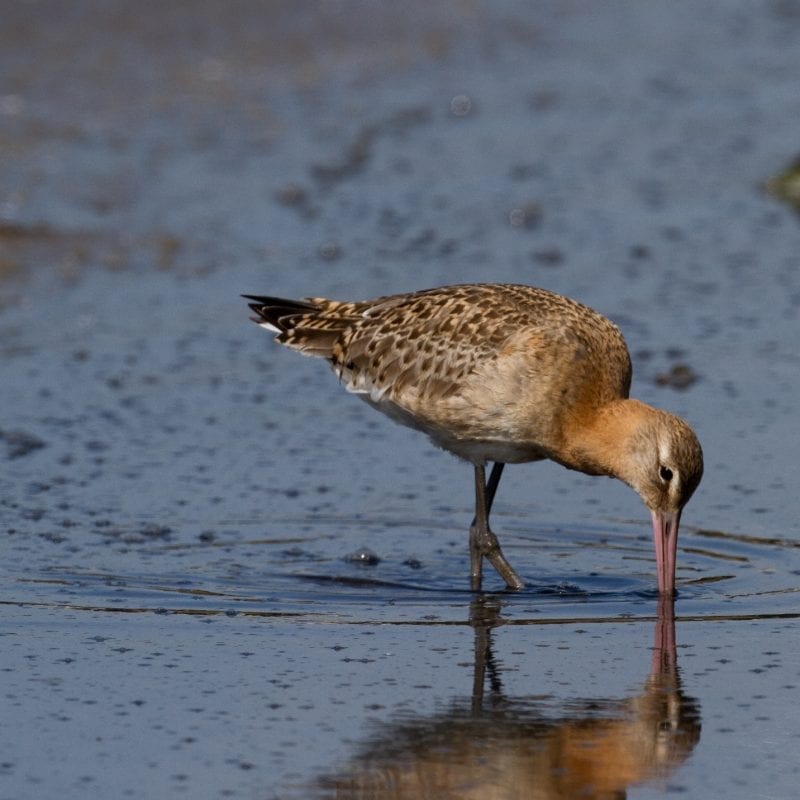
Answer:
[(665, 538)]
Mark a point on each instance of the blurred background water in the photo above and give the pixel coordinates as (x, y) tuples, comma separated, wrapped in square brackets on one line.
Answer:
[(183, 504)]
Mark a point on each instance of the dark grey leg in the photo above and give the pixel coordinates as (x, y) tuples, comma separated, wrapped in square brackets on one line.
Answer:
[(482, 542), (491, 486)]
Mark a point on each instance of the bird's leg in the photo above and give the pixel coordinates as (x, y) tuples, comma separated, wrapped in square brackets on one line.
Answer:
[(482, 542), (491, 485), (476, 556)]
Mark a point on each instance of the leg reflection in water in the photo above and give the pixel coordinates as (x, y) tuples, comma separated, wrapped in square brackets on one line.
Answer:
[(523, 747)]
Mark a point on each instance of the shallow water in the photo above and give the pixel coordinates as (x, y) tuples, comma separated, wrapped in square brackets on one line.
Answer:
[(183, 503)]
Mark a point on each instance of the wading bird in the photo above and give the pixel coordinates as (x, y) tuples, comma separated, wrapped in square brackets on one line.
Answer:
[(508, 374)]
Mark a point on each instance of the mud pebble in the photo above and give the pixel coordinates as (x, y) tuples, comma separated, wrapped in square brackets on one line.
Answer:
[(549, 257), (291, 195), (460, 105), (679, 376), (786, 185), (526, 216), (522, 172), (167, 248), (330, 251), (153, 530), (96, 446), (21, 443), (363, 556)]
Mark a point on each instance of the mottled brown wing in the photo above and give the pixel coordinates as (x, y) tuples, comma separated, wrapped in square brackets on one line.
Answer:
[(426, 343), (429, 341)]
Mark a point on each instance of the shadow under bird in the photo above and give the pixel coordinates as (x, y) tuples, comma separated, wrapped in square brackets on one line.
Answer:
[(508, 374)]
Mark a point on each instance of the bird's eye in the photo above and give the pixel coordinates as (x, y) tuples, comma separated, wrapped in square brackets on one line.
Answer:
[(665, 473)]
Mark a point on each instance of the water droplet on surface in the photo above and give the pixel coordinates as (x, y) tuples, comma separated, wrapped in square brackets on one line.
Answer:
[(363, 556), (460, 105)]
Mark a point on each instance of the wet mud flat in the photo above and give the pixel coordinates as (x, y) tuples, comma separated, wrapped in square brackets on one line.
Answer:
[(279, 707), (222, 577)]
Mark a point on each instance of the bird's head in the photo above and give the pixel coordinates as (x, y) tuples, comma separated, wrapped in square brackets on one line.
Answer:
[(666, 467)]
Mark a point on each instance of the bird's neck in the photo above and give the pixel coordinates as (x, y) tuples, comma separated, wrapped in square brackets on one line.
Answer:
[(599, 441)]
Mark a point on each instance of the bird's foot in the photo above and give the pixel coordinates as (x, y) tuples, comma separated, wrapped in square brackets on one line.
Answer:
[(483, 542)]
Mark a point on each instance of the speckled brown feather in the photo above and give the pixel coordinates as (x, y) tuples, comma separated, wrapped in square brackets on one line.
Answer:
[(438, 335), (467, 362)]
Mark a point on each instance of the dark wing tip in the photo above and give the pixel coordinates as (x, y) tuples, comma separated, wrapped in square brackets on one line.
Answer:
[(274, 309)]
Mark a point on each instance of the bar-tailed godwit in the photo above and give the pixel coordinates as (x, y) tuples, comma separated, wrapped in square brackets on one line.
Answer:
[(507, 374)]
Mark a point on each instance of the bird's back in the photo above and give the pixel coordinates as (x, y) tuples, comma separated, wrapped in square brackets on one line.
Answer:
[(487, 370)]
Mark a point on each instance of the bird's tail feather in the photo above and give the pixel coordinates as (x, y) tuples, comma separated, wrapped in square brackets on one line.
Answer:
[(300, 324), (276, 312)]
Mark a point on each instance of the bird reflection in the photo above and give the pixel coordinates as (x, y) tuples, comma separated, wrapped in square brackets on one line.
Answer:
[(501, 748)]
